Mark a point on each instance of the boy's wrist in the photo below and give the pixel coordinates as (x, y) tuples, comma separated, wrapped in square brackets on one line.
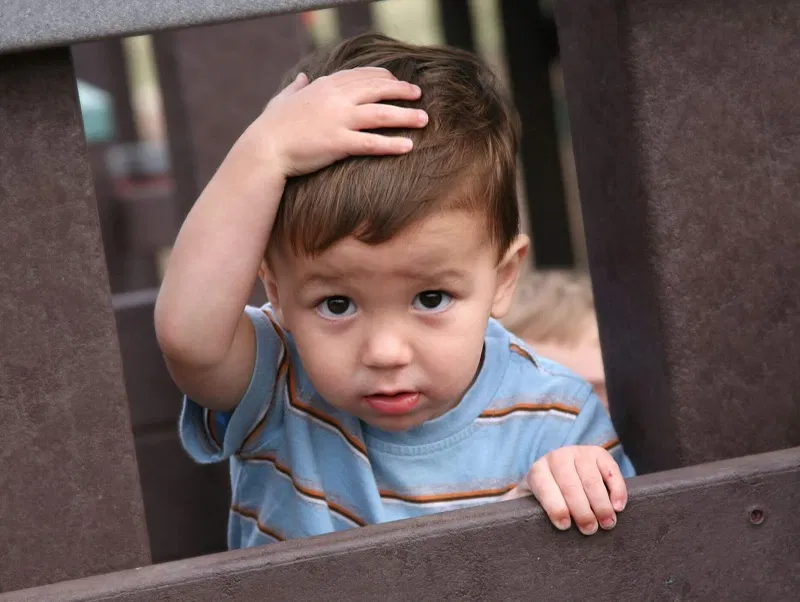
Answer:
[(262, 153), (257, 161)]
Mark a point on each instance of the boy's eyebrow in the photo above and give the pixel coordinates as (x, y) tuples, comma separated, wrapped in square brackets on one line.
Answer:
[(445, 274), (417, 275), (317, 277)]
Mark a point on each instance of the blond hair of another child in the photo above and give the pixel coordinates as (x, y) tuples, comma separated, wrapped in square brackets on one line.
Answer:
[(553, 311)]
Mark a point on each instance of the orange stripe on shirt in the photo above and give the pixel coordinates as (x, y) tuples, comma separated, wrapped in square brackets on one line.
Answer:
[(529, 407), (609, 445), (297, 404), (446, 497), (321, 416), (313, 493), (277, 328), (210, 428), (281, 368), (260, 425), (261, 526), (523, 352)]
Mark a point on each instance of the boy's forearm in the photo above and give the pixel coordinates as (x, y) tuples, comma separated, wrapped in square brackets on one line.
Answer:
[(216, 257)]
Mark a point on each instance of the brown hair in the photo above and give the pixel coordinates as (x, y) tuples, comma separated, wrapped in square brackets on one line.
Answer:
[(552, 306), (465, 158)]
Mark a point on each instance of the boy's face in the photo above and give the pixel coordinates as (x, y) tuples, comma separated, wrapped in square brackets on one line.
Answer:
[(393, 333)]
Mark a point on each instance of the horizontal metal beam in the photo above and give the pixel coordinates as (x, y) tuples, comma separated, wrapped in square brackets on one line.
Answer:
[(722, 531), (26, 25)]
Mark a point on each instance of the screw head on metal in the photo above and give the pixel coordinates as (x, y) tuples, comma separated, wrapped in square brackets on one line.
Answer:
[(757, 515)]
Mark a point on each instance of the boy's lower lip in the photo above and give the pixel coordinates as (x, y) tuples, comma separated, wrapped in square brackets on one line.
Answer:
[(393, 405)]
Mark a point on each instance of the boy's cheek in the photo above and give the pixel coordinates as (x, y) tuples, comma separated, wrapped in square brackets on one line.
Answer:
[(327, 375)]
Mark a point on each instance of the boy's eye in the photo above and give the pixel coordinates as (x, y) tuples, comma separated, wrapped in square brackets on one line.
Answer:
[(432, 301), (336, 307)]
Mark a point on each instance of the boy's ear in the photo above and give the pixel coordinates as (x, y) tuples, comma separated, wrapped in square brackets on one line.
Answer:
[(508, 273), (271, 287)]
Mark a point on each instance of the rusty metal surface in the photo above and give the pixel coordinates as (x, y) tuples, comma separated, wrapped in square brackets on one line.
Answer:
[(687, 138), (69, 493), (25, 25), (724, 531)]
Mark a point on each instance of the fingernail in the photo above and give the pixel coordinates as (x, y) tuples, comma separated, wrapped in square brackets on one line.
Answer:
[(423, 117), (417, 88), (619, 505), (563, 524), (591, 531), (609, 523)]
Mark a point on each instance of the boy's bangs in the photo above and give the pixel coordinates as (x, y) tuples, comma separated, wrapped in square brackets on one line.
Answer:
[(374, 198)]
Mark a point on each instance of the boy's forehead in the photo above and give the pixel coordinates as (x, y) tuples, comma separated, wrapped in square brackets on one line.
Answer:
[(445, 244)]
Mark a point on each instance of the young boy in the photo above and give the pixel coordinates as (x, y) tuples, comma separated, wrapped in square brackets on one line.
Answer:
[(375, 196), (553, 311)]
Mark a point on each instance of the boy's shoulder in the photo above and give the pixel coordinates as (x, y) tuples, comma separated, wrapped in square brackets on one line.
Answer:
[(531, 376)]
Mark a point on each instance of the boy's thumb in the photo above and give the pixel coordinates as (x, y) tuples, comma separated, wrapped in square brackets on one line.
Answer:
[(300, 82)]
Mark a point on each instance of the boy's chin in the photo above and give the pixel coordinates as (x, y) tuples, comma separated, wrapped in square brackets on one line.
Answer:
[(405, 422), (395, 424)]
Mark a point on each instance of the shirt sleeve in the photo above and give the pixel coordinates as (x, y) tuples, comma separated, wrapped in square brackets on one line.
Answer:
[(211, 436), (593, 426)]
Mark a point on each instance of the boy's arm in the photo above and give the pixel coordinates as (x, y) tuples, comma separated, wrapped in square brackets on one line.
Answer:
[(207, 340), (208, 343)]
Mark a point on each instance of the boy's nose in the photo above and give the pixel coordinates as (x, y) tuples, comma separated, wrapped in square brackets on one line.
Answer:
[(386, 348)]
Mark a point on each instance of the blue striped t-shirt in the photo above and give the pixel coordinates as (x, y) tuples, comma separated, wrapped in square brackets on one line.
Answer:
[(300, 467)]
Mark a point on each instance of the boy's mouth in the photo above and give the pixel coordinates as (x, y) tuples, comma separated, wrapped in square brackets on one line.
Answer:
[(394, 404)]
